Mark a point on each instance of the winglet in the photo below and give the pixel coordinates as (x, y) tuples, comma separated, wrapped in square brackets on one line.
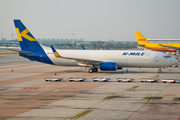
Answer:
[(83, 47), (56, 54)]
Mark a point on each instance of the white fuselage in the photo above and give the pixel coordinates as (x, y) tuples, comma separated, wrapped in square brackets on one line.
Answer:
[(123, 58)]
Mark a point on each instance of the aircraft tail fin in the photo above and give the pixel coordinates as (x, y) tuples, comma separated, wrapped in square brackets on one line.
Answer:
[(140, 38), (26, 39)]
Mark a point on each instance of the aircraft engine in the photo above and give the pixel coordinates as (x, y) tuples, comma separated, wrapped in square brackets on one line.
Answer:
[(111, 66)]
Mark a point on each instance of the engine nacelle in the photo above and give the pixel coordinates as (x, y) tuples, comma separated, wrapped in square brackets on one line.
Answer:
[(111, 66)]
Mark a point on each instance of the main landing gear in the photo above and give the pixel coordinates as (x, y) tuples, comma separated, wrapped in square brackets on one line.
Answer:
[(159, 71), (94, 69)]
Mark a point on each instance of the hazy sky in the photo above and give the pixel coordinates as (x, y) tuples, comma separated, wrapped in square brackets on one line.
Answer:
[(92, 19)]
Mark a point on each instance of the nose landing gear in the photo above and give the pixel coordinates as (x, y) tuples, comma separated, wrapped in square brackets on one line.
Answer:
[(159, 71)]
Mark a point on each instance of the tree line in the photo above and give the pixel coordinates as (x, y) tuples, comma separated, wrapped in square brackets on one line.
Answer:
[(97, 45)]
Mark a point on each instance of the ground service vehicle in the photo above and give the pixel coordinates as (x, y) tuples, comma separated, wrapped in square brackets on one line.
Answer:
[(52, 79), (168, 80), (124, 79), (76, 79), (148, 80), (100, 79)]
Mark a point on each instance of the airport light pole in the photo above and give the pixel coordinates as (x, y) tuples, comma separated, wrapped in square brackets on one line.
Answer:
[(1, 36), (12, 36), (73, 40), (73, 36)]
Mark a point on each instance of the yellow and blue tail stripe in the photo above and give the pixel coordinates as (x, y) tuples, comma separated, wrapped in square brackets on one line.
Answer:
[(56, 54), (28, 43)]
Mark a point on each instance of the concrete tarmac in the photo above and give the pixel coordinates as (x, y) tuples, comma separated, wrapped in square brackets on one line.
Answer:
[(24, 94)]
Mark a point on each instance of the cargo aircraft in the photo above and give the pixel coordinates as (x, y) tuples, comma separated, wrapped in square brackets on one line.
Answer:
[(165, 47), (108, 60)]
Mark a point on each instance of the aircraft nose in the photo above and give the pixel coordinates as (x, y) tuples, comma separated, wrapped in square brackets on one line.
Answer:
[(174, 61)]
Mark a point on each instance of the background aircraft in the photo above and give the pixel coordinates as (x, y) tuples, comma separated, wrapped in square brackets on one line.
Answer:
[(166, 47), (103, 59)]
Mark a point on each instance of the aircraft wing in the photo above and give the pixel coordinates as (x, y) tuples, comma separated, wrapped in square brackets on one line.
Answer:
[(16, 50), (175, 48), (79, 60)]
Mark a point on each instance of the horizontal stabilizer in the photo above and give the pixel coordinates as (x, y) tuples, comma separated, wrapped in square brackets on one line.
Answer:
[(140, 45), (19, 51)]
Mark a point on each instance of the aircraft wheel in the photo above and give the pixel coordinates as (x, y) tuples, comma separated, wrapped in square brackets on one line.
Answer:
[(159, 71), (90, 70), (95, 69)]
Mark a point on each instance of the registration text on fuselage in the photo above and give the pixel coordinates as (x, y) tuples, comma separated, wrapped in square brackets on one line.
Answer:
[(133, 53)]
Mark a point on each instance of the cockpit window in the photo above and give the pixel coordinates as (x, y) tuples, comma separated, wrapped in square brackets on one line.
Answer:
[(167, 56)]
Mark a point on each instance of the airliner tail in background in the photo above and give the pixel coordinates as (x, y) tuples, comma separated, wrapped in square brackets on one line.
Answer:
[(141, 39), (165, 47)]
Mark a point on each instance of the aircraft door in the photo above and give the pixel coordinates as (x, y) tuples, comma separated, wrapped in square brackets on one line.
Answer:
[(157, 58)]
